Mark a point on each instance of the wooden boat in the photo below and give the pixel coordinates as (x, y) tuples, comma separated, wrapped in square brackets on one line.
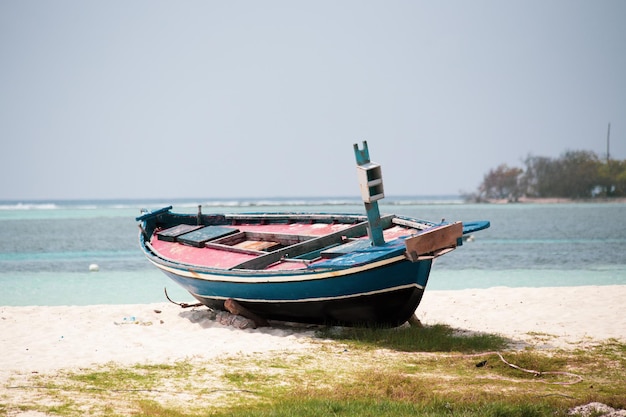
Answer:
[(344, 269)]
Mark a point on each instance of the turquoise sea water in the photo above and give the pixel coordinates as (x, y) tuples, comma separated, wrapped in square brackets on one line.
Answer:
[(46, 247)]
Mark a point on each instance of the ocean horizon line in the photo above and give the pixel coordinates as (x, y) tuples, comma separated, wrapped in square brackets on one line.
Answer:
[(52, 204)]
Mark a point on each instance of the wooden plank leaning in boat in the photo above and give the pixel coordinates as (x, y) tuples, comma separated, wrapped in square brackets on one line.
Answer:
[(442, 238), (320, 242)]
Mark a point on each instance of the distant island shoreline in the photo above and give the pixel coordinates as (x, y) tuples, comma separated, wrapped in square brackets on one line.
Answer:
[(552, 200)]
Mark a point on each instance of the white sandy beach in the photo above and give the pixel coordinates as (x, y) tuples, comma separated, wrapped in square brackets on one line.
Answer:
[(555, 317), (42, 339)]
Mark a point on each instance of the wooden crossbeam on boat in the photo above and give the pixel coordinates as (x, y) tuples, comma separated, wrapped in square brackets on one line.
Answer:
[(433, 240), (411, 223)]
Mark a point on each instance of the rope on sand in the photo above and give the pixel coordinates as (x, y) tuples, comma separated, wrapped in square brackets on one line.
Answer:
[(183, 305)]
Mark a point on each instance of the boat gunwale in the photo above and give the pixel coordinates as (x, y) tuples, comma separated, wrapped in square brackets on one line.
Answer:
[(194, 271), (394, 249), (233, 219)]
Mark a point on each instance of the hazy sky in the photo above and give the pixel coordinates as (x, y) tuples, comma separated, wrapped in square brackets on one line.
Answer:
[(166, 99)]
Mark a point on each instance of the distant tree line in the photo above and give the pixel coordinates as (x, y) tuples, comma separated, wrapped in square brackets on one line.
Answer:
[(574, 175)]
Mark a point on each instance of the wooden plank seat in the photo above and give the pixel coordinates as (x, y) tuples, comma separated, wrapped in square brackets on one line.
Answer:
[(205, 234), (255, 243), (283, 238), (171, 234), (258, 245)]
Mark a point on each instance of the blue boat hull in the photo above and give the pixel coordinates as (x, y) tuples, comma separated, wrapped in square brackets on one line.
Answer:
[(383, 295), (335, 277)]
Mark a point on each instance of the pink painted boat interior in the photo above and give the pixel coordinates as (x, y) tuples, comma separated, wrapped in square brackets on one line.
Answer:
[(224, 259)]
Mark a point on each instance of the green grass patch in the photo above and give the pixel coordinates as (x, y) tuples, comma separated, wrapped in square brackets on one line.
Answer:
[(384, 408), (358, 372), (437, 338)]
